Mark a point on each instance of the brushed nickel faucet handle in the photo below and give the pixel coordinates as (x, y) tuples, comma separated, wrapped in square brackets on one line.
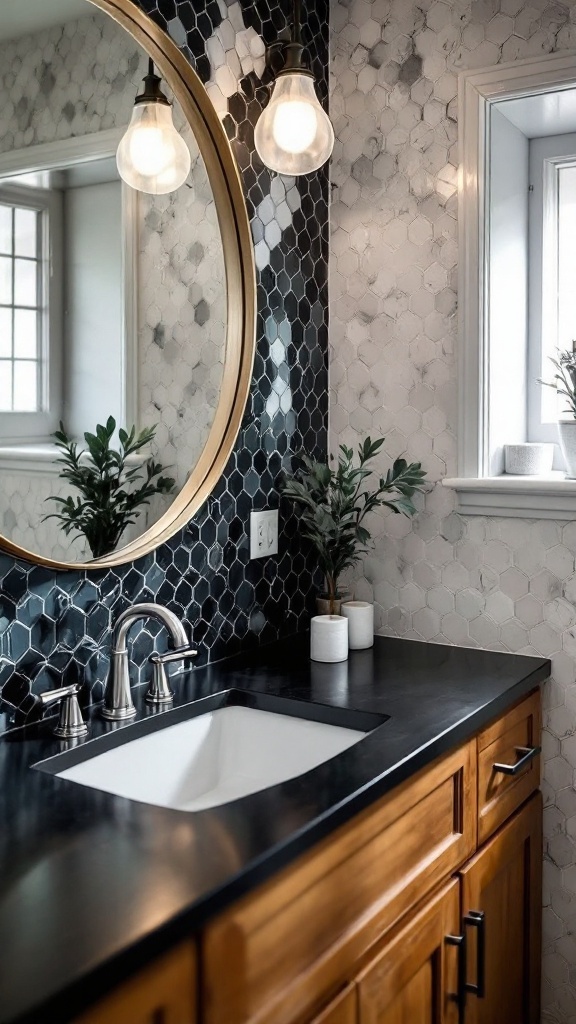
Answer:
[(70, 721), (159, 691)]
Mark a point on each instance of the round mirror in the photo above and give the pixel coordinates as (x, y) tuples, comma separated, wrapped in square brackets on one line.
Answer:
[(126, 314)]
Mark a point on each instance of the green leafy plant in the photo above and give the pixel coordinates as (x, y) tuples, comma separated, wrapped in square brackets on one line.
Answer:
[(564, 380), (110, 493), (332, 505)]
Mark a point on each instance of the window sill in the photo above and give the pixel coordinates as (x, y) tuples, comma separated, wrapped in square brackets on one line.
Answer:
[(40, 459), (29, 458), (528, 497)]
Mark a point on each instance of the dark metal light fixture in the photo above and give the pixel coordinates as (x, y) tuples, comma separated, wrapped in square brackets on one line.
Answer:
[(294, 135)]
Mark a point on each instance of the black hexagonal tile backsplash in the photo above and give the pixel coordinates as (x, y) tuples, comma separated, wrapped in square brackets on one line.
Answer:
[(56, 626)]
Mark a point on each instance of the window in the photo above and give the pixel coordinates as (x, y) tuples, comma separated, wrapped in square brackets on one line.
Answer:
[(30, 318), (68, 295), (552, 259), (20, 309), (517, 219)]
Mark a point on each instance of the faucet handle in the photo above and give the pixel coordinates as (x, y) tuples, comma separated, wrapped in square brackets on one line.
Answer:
[(159, 691), (70, 721)]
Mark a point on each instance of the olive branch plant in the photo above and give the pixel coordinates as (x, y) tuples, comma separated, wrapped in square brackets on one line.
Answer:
[(564, 380), (332, 505), (111, 494)]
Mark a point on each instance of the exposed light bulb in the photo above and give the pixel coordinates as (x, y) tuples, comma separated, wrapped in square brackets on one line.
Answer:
[(152, 156), (294, 126), (294, 135)]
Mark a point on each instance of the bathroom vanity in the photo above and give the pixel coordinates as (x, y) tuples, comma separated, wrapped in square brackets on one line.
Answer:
[(398, 881)]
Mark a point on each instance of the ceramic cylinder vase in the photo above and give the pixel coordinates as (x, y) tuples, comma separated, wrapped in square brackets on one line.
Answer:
[(360, 615), (329, 638), (567, 432)]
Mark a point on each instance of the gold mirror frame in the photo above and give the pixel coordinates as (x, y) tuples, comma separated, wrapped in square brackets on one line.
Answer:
[(240, 289)]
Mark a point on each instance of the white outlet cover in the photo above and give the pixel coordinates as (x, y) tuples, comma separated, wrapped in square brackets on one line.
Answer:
[(264, 533)]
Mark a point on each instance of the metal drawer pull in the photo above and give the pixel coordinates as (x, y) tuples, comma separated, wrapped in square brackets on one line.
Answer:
[(475, 919), (528, 754)]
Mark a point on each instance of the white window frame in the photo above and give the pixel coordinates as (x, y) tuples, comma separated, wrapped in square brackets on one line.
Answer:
[(477, 492), (32, 426), (545, 166), (29, 452)]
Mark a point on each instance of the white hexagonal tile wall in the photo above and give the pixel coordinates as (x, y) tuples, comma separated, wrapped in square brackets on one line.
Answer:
[(502, 583)]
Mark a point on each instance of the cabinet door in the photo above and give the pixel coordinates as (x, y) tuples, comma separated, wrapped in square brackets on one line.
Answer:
[(503, 882), (342, 1009), (414, 979), (162, 993)]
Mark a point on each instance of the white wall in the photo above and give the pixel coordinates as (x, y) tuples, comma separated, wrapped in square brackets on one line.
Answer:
[(508, 280), (93, 313), (506, 584)]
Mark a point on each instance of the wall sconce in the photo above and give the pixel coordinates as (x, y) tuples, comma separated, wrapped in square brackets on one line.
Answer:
[(294, 135), (152, 156)]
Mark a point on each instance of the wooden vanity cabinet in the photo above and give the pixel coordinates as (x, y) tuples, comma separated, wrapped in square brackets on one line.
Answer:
[(165, 992), (341, 1010), (414, 976), (424, 909), (503, 881), (381, 923)]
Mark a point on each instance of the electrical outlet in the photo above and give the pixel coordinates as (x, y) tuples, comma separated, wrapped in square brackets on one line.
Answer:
[(264, 533)]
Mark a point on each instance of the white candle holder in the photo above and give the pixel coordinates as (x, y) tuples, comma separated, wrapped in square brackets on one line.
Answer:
[(329, 638), (360, 615)]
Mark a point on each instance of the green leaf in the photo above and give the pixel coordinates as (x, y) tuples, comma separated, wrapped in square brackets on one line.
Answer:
[(331, 504), (108, 497)]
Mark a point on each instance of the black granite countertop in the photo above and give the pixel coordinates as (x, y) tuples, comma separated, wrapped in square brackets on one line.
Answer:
[(92, 885)]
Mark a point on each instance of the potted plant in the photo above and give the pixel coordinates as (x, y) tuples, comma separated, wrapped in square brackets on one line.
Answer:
[(111, 495), (333, 504), (564, 382)]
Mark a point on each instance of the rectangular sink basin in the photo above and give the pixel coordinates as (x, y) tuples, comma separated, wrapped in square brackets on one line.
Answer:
[(217, 754)]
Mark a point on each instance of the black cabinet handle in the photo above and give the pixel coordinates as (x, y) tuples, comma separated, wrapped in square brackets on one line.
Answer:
[(528, 754), (475, 919), (460, 942)]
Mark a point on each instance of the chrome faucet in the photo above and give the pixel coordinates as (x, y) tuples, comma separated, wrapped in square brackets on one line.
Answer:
[(118, 703)]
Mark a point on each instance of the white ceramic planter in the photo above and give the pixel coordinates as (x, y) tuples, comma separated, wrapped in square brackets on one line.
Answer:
[(360, 615), (528, 459), (329, 638), (567, 432)]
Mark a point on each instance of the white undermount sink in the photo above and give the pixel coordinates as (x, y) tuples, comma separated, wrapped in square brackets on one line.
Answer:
[(213, 758)]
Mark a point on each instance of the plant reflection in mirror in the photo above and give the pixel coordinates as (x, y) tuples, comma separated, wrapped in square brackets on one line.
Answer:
[(111, 493)]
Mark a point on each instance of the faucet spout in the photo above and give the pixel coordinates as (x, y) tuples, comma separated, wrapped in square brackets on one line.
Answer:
[(118, 703)]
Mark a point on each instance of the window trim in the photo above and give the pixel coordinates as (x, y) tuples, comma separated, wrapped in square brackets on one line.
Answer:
[(77, 150), (543, 271), (479, 494), (20, 427)]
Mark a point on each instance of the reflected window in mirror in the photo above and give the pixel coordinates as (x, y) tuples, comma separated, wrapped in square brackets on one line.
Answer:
[(30, 310), (66, 295)]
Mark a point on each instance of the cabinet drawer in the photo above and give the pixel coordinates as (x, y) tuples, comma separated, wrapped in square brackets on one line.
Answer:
[(305, 932), (512, 737), (164, 991)]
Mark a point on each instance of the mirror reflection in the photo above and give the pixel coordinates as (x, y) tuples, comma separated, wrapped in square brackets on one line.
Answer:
[(112, 300)]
